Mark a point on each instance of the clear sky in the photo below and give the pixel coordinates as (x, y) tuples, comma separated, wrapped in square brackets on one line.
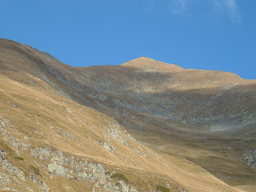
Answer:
[(200, 34)]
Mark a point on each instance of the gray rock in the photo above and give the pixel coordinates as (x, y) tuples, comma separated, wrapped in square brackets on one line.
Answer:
[(249, 158), (4, 122), (56, 169), (81, 168), (108, 147)]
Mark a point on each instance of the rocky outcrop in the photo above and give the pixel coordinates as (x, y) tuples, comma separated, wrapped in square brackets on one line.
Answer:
[(4, 122), (9, 173), (79, 168), (249, 158)]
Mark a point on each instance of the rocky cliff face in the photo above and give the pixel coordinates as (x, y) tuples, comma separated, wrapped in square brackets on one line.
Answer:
[(142, 126)]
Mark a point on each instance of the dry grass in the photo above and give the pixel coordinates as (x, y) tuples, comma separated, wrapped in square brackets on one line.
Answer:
[(38, 111)]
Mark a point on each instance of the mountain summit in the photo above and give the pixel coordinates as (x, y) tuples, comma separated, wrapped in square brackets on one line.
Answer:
[(149, 64), (142, 126)]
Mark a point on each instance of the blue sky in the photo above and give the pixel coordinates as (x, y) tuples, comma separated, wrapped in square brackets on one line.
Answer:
[(200, 34)]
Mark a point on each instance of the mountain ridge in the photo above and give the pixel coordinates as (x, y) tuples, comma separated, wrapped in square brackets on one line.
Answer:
[(182, 129), (131, 63)]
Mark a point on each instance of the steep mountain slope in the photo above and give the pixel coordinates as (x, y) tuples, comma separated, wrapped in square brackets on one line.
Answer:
[(141, 126)]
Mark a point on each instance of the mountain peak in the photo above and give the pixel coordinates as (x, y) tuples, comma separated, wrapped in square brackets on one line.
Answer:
[(148, 64)]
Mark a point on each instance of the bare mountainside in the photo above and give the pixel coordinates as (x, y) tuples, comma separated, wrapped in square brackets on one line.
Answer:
[(142, 126)]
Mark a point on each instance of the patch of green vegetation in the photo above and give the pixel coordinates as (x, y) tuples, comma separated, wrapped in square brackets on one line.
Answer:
[(162, 188), (19, 158), (119, 176)]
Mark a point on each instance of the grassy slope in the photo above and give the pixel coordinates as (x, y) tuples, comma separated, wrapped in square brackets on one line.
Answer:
[(37, 112)]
